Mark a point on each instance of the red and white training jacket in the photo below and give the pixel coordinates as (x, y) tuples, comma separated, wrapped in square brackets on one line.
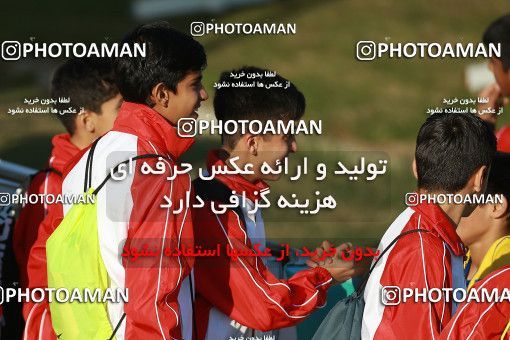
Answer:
[(129, 211), (419, 260), (30, 226), (44, 183), (245, 290), (482, 320)]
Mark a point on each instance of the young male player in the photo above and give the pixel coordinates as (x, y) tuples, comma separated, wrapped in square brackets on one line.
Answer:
[(89, 85), (499, 92), (158, 89), (241, 297), (453, 154), (486, 232)]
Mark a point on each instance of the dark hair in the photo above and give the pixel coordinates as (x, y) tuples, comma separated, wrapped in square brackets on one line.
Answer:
[(449, 149), (499, 175), (498, 32), (87, 82), (170, 56), (256, 103)]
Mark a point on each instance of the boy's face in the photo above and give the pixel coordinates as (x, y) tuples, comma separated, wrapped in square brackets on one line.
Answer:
[(109, 110), (502, 76), (91, 125), (186, 100), (273, 148)]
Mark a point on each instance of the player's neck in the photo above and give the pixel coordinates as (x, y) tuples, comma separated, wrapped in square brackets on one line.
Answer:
[(477, 252), (453, 211), (81, 141)]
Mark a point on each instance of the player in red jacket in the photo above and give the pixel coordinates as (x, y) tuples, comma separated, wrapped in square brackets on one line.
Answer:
[(453, 153), (89, 84), (158, 90), (242, 297), (486, 233), (498, 93), (483, 319)]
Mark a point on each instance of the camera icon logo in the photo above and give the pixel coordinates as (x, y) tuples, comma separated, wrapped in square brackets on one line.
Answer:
[(11, 50), (365, 50), (390, 295), (187, 127), (5, 199), (411, 199), (197, 29)]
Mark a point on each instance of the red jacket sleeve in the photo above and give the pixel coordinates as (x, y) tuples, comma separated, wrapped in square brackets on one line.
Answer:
[(38, 322), (154, 282), (37, 315), (483, 319), (29, 219), (244, 289)]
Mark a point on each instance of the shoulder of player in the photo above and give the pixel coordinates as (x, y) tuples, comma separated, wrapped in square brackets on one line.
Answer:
[(417, 245)]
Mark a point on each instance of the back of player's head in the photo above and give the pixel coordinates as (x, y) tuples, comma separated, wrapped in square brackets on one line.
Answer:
[(498, 32), (87, 82), (170, 56), (450, 148), (261, 102)]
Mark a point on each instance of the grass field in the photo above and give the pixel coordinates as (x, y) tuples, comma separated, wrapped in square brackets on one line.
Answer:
[(365, 106)]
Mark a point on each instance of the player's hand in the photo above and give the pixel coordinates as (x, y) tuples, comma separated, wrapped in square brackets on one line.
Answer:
[(339, 269), (318, 256)]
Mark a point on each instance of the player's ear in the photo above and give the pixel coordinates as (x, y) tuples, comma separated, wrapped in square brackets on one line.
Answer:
[(85, 121), (160, 95), (500, 210), (479, 179), (252, 142), (415, 169)]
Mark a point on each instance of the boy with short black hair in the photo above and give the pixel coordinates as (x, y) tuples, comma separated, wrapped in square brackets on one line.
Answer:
[(87, 86), (498, 93), (238, 297), (158, 89), (486, 232), (90, 85), (453, 154)]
